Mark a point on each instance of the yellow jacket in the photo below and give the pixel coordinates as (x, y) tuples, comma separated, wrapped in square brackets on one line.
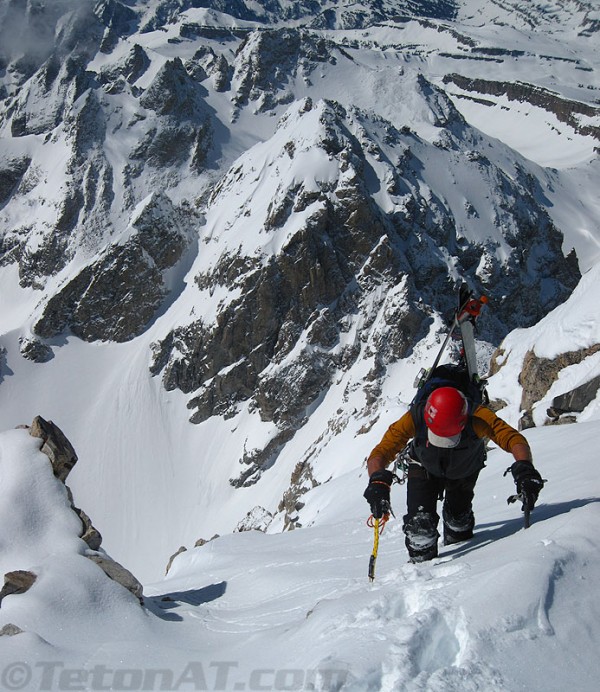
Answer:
[(485, 422)]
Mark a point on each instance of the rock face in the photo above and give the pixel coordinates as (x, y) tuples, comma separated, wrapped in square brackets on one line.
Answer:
[(538, 375), (257, 519), (12, 171), (118, 573), (35, 350), (301, 481), (182, 549), (116, 296), (55, 446), (267, 61), (569, 112), (575, 400), (62, 456), (288, 328), (10, 630)]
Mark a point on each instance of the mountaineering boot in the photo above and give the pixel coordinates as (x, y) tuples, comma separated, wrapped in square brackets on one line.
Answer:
[(458, 529), (425, 555), (421, 536)]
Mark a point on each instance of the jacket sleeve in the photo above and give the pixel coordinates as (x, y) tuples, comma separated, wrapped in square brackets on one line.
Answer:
[(487, 424), (395, 438)]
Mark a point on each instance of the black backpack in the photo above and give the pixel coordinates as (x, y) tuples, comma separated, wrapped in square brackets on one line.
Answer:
[(450, 375)]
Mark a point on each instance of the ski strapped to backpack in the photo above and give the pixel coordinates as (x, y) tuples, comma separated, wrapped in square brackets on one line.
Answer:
[(463, 376)]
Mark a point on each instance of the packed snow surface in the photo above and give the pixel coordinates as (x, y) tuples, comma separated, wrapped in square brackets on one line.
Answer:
[(513, 609)]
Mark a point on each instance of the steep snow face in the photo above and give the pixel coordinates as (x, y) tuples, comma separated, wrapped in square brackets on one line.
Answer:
[(296, 610)]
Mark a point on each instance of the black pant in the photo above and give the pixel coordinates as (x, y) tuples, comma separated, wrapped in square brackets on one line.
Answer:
[(421, 519), (424, 490)]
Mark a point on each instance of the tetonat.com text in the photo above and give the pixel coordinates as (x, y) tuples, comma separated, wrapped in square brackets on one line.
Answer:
[(195, 675)]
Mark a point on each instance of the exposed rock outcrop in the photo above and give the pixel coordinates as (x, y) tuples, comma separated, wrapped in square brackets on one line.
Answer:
[(565, 110), (126, 71), (573, 401), (63, 458), (257, 519), (35, 350), (116, 296), (182, 549), (538, 375), (118, 573), (301, 481), (10, 630), (12, 170), (267, 59), (55, 446), (17, 582), (2, 362)]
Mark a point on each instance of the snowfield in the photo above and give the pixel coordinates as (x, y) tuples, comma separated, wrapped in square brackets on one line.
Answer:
[(512, 609)]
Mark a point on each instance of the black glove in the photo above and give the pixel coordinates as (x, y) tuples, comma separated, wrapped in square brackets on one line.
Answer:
[(377, 493), (528, 482)]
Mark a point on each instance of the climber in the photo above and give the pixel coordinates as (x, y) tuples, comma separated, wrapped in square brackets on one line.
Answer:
[(446, 454)]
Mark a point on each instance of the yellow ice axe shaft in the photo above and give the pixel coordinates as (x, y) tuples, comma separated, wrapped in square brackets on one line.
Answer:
[(373, 557)]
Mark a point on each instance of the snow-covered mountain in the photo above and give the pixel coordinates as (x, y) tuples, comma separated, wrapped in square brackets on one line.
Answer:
[(230, 233)]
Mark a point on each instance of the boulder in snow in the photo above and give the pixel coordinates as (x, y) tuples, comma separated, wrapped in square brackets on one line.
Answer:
[(55, 446), (118, 573), (17, 582)]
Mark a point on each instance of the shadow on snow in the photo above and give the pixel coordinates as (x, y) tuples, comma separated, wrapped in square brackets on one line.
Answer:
[(194, 597)]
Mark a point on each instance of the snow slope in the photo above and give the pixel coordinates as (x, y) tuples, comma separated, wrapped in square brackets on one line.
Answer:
[(510, 610)]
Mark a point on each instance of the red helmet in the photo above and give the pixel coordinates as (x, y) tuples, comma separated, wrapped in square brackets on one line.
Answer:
[(446, 412)]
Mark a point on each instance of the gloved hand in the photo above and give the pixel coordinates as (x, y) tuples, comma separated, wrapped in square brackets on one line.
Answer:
[(377, 493), (528, 482)]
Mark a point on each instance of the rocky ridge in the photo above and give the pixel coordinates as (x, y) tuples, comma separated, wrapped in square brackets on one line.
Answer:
[(290, 323)]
